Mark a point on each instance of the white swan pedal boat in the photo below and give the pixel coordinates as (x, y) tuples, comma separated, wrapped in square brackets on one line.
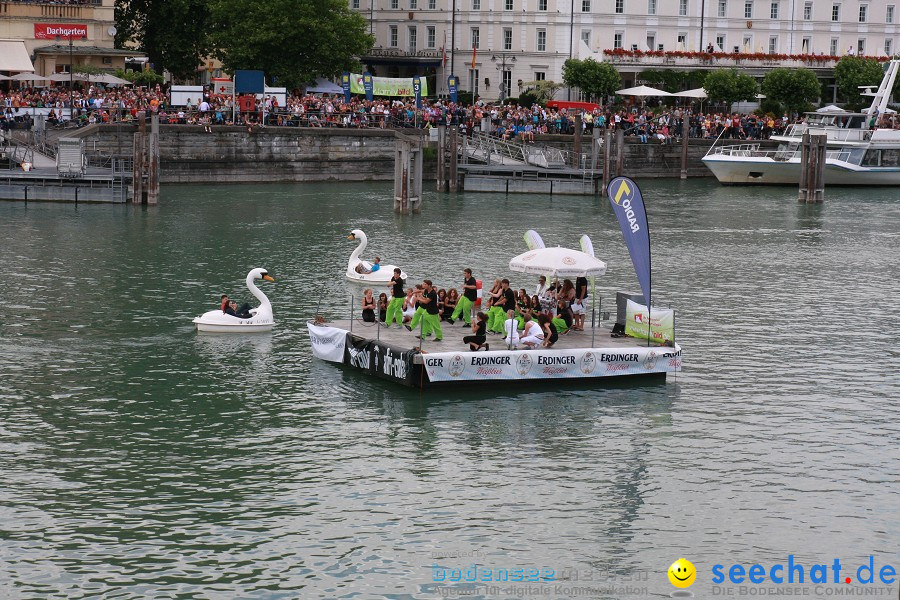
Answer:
[(261, 319), (382, 275)]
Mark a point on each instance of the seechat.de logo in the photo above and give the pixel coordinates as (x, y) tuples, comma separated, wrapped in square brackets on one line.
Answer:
[(682, 573)]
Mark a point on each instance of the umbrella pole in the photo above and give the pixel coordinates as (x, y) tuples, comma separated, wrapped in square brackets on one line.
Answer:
[(593, 295)]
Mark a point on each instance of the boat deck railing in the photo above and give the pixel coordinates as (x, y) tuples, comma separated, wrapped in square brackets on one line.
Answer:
[(834, 134), (753, 151)]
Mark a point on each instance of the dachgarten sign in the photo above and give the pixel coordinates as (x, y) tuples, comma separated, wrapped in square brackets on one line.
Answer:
[(66, 31)]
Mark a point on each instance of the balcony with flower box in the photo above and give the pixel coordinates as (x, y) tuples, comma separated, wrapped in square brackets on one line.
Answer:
[(644, 59)]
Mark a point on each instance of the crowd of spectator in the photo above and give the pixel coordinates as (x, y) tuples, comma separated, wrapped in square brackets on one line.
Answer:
[(98, 104)]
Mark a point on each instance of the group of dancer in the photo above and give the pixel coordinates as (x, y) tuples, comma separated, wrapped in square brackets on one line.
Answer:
[(532, 321)]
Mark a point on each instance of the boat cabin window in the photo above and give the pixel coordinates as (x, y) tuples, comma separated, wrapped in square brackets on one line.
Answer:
[(854, 156), (890, 157), (872, 158)]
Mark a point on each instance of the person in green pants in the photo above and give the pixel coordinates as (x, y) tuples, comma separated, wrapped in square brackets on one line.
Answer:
[(419, 315), (395, 306), (505, 303), (467, 300), (429, 299)]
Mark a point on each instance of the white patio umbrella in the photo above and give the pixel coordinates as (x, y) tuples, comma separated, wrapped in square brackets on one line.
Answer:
[(642, 91), (109, 79), (67, 77), (695, 93), (831, 108), (28, 77), (557, 262)]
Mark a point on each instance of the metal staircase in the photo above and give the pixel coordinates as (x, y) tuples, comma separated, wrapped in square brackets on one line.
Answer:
[(489, 150)]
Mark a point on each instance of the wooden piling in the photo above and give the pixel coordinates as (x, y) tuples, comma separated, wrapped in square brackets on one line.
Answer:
[(442, 158), (595, 156), (812, 168), (685, 130), (137, 157), (454, 157), (620, 151), (153, 161), (607, 158), (576, 142)]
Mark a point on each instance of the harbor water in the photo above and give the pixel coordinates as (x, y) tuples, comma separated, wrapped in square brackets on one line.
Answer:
[(140, 459)]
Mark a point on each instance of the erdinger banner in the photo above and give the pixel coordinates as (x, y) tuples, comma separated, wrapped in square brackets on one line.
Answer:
[(550, 364), (388, 86), (659, 322), (63, 31), (628, 204), (327, 342), (381, 360)]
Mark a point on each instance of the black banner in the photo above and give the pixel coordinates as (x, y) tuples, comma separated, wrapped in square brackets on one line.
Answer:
[(381, 360)]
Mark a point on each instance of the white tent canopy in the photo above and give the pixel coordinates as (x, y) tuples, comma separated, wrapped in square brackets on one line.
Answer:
[(642, 91), (695, 93), (14, 56), (323, 86), (109, 79), (831, 108), (28, 77), (557, 262)]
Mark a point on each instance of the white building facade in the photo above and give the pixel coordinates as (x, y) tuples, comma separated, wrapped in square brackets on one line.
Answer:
[(498, 46)]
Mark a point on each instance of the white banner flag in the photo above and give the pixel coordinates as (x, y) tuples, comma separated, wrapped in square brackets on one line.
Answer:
[(327, 342)]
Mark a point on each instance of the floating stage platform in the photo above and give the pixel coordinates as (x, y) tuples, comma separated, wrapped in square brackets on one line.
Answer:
[(94, 185), (394, 354)]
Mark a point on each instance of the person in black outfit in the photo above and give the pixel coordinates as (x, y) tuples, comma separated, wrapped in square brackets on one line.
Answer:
[(465, 303), (368, 307), (479, 328), (550, 334)]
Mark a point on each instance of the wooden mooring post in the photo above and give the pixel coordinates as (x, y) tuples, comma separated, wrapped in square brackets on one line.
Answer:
[(812, 168), (407, 174), (576, 142), (607, 158), (137, 158), (595, 157), (442, 159), (685, 138), (153, 161), (453, 175), (620, 151)]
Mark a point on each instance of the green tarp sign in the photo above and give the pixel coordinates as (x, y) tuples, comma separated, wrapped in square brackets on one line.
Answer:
[(388, 86)]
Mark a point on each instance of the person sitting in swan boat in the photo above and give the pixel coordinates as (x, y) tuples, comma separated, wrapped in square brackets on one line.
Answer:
[(230, 307), (364, 271)]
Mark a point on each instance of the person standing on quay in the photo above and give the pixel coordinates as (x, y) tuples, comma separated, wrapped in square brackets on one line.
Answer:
[(470, 294), (395, 306)]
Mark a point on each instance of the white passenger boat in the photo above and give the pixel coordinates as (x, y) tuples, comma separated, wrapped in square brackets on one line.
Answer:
[(856, 154)]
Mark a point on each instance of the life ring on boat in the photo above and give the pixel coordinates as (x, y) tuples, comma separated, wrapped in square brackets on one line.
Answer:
[(477, 292)]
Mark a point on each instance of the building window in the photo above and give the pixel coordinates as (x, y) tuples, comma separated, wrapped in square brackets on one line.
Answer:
[(542, 5), (432, 4), (807, 11), (723, 8), (413, 4), (860, 46), (413, 34), (395, 4), (476, 38), (354, 4), (773, 44), (863, 13), (835, 12), (651, 40), (682, 8), (806, 47), (393, 36), (773, 13), (832, 49), (748, 10), (682, 41), (889, 46), (540, 76), (476, 4), (651, 7), (506, 83), (473, 82), (748, 43), (508, 5), (430, 42), (617, 40), (620, 7), (541, 40), (586, 37), (720, 43), (507, 39), (889, 15), (585, 5)]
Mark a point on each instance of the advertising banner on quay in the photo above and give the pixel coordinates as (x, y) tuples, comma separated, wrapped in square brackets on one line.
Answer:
[(661, 322), (388, 86), (345, 85), (63, 31), (381, 360), (327, 342), (453, 86), (368, 86), (550, 364)]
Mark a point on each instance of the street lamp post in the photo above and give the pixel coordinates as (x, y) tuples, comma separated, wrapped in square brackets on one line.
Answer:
[(502, 68)]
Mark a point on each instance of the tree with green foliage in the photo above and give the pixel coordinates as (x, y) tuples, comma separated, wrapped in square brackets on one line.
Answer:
[(853, 71), (538, 92), (293, 41), (673, 81), (595, 79), (794, 89), (145, 78), (730, 85), (173, 33)]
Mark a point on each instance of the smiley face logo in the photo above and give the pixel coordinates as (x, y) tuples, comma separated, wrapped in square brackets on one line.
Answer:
[(682, 573)]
